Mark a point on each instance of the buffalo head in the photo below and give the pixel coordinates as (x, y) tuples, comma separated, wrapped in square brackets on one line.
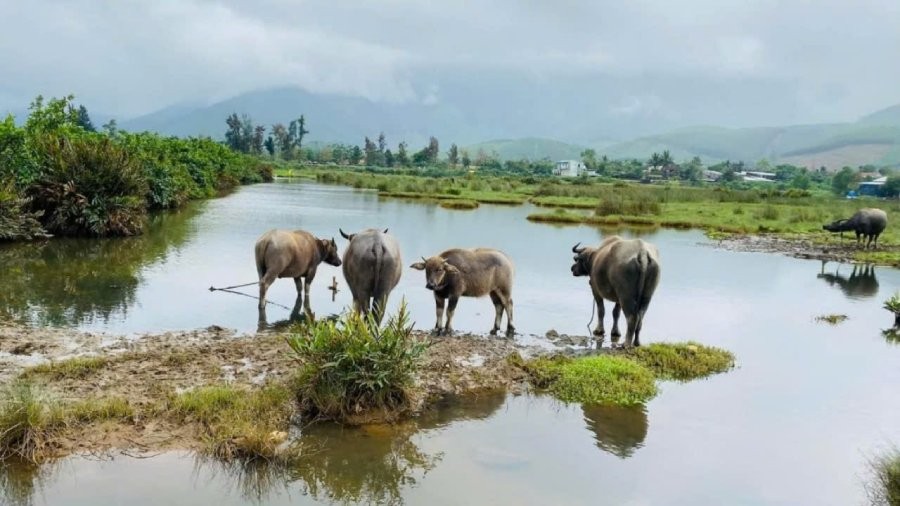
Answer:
[(437, 272), (329, 251), (582, 265)]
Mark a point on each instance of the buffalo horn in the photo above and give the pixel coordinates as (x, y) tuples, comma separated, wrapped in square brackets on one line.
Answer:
[(344, 234), (575, 248)]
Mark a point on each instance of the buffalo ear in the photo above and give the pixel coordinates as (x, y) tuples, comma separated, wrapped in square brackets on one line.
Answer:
[(450, 268), (419, 266)]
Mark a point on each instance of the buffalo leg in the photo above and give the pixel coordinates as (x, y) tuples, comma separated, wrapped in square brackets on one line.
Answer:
[(308, 279), (617, 310), (498, 308), (510, 330), (439, 312), (264, 283), (451, 307), (601, 312), (379, 306), (629, 334), (298, 282)]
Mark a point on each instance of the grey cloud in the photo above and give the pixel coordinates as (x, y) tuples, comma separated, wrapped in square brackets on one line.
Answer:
[(834, 59)]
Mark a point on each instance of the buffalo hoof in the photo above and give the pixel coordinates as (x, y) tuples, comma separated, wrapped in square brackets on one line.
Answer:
[(616, 334), (599, 332), (494, 331), (448, 331)]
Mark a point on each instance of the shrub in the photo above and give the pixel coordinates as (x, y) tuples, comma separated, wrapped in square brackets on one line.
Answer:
[(88, 186), (353, 368), (16, 221), (767, 213), (885, 488)]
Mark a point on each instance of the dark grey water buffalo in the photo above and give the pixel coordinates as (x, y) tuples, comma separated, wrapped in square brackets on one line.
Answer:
[(372, 268), (475, 272), (623, 271), (867, 223), (292, 254)]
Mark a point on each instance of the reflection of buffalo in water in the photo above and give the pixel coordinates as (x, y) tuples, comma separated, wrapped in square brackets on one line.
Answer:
[(617, 429), (860, 283)]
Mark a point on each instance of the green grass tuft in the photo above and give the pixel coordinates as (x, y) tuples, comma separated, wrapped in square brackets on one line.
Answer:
[(683, 361), (77, 367), (352, 368), (459, 204), (831, 319), (239, 423), (604, 380), (31, 420), (884, 490)]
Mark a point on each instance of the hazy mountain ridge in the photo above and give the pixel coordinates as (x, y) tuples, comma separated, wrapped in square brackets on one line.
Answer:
[(874, 138)]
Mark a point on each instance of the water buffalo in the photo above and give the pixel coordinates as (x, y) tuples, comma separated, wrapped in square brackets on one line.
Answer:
[(475, 272), (291, 254), (372, 268), (623, 271), (867, 223)]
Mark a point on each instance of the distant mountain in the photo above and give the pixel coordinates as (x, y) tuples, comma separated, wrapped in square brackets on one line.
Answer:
[(531, 148), (874, 139), (527, 116)]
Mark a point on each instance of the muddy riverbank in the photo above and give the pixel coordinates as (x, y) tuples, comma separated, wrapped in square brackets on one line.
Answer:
[(832, 251), (147, 371)]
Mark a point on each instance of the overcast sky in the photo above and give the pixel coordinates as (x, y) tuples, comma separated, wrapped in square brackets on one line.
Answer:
[(833, 59)]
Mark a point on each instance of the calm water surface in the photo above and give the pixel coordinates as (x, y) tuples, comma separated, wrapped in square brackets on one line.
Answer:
[(793, 424)]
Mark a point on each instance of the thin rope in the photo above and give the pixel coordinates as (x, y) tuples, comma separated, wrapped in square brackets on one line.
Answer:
[(593, 312), (228, 290), (213, 289)]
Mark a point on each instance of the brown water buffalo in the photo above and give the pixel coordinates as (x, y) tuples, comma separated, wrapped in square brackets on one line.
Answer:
[(867, 223), (475, 272), (623, 271), (292, 254), (372, 268)]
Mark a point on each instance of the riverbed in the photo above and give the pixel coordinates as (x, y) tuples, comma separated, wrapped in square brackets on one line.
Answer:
[(794, 423)]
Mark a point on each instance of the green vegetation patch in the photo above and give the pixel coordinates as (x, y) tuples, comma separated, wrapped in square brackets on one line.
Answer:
[(77, 367), (831, 319), (459, 204), (622, 377), (31, 420), (353, 368), (604, 380), (884, 489), (683, 361), (239, 423)]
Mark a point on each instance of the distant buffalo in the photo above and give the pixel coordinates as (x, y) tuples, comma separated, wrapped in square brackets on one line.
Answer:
[(372, 268), (623, 271), (475, 272), (292, 254), (867, 223)]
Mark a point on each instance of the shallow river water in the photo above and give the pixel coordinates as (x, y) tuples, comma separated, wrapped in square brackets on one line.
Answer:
[(794, 423)]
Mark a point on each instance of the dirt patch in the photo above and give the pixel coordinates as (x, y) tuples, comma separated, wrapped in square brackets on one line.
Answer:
[(838, 251)]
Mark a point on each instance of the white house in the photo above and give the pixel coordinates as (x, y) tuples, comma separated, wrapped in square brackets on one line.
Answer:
[(569, 168)]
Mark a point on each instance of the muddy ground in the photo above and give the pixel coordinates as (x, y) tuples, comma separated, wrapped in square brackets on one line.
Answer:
[(834, 251), (147, 369)]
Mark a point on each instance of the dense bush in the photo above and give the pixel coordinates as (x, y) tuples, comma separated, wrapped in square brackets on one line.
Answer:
[(87, 185), (80, 182), (352, 369)]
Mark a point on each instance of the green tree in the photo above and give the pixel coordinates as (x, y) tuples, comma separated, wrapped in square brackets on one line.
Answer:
[(453, 155), (589, 158), (388, 158), (466, 161), (355, 155), (57, 114), (371, 153), (402, 156), (692, 171), (282, 141), (842, 180), (259, 134), (111, 128), (801, 181), (270, 145), (296, 131), (84, 119), (892, 186)]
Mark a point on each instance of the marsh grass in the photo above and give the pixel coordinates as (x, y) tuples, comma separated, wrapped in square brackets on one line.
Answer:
[(604, 380), (831, 319), (622, 377), (884, 489), (238, 423), (683, 361), (459, 204), (77, 367), (352, 369), (31, 420)]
